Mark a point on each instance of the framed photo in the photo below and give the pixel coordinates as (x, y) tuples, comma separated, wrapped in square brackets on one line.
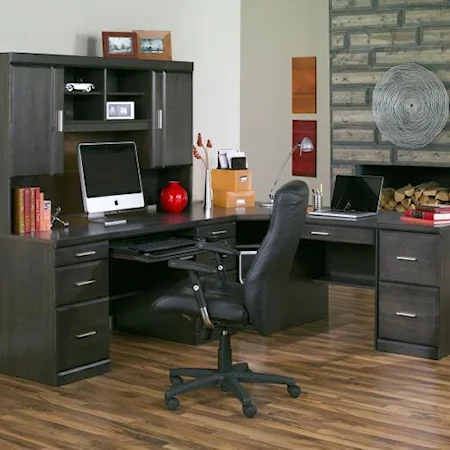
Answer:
[(119, 110), (119, 44), (154, 44)]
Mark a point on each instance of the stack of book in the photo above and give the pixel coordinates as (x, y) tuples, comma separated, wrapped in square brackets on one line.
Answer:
[(432, 215), (32, 213)]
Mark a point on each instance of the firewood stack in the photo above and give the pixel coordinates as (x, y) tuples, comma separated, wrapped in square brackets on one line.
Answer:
[(409, 196)]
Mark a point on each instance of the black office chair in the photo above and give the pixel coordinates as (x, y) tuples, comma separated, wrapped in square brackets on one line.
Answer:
[(260, 301)]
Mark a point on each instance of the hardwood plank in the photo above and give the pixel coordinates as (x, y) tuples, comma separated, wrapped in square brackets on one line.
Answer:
[(353, 396)]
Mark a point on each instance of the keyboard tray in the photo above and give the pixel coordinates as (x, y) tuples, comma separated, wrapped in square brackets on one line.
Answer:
[(137, 252)]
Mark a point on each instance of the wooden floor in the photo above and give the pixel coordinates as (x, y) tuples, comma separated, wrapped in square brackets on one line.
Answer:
[(353, 397)]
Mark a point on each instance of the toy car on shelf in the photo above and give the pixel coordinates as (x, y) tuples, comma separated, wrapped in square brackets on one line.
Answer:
[(79, 86)]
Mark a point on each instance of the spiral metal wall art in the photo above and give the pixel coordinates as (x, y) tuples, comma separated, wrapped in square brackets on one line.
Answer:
[(410, 105)]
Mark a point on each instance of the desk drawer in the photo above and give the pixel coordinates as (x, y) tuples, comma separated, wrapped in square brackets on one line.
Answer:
[(408, 313), (81, 282), (351, 235), (409, 257), (217, 231), (83, 334), (81, 253)]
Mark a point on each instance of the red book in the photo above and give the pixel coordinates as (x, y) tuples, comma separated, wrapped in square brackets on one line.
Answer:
[(37, 208), (426, 222), (27, 209), (427, 215), (434, 207)]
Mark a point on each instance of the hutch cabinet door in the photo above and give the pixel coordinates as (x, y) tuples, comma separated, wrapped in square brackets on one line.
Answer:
[(155, 157), (36, 140), (171, 140), (178, 119)]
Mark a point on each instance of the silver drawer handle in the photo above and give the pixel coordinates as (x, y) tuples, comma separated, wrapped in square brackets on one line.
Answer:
[(215, 233), (85, 335), (320, 233), (405, 314), (85, 283), (80, 255), (187, 257), (405, 258)]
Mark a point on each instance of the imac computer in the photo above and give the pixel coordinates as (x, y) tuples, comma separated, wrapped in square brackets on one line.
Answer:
[(110, 180)]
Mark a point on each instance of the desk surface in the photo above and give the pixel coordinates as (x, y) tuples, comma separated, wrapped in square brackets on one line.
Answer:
[(143, 222)]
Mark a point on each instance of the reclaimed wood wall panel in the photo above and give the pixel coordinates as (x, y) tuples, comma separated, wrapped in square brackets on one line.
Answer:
[(368, 37)]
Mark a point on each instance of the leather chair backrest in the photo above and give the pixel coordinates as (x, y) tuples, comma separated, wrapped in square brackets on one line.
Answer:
[(268, 277)]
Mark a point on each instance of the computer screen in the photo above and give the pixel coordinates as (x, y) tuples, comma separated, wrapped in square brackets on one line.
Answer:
[(110, 176), (357, 193)]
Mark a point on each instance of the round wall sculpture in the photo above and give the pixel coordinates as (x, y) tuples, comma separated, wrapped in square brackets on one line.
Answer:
[(410, 106)]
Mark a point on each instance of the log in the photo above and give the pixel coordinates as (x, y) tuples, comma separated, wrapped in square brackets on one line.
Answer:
[(409, 196), (400, 194), (420, 188)]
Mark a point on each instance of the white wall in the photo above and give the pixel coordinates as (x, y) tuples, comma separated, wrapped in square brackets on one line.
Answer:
[(272, 32), (206, 32)]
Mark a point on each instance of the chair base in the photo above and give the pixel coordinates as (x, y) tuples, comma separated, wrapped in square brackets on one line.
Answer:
[(228, 377)]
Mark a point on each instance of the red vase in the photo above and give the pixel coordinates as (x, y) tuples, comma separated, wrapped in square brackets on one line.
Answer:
[(173, 197)]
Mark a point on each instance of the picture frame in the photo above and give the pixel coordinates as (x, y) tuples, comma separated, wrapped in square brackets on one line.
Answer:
[(119, 110), (154, 44), (119, 44)]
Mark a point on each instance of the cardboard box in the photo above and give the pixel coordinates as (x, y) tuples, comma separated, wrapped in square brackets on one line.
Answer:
[(231, 180), (230, 199)]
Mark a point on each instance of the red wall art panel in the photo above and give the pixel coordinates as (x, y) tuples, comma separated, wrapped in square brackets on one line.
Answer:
[(304, 160)]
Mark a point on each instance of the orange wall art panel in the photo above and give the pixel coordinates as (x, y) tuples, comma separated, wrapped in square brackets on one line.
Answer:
[(304, 85)]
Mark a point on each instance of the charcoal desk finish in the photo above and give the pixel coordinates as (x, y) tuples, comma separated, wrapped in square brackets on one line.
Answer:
[(55, 287)]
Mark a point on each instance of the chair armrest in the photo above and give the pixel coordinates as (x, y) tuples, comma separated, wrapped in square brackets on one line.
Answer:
[(215, 248), (194, 266)]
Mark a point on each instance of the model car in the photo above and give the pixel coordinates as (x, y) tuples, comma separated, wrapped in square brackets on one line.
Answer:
[(79, 86)]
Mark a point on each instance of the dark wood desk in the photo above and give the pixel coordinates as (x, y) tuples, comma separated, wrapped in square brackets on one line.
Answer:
[(57, 288)]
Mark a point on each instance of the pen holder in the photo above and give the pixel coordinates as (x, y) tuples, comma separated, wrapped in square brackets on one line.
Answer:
[(317, 201)]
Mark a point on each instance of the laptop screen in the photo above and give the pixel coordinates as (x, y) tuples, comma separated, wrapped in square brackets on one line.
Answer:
[(357, 193)]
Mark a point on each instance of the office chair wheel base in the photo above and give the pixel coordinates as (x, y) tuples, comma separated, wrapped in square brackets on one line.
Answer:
[(172, 403), (176, 380), (250, 410), (294, 391)]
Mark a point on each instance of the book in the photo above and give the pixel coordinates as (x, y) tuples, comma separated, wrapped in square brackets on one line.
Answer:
[(32, 213), (19, 211), (427, 214), (434, 207), (426, 222)]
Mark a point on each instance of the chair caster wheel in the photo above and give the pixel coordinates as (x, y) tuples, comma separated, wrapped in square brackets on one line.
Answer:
[(176, 380), (172, 403), (294, 391), (249, 410)]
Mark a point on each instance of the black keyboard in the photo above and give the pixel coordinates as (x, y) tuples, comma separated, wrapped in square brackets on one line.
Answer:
[(161, 245)]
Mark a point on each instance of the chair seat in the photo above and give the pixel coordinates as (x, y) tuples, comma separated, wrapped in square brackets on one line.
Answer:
[(225, 302)]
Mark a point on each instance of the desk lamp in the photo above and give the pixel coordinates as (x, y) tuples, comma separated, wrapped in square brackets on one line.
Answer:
[(305, 146)]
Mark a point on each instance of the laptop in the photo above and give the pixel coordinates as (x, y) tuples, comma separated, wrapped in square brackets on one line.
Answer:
[(354, 197)]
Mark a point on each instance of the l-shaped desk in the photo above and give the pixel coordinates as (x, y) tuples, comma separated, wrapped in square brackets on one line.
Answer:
[(58, 289)]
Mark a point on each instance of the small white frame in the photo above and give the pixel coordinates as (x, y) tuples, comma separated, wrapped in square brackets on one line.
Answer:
[(119, 110)]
